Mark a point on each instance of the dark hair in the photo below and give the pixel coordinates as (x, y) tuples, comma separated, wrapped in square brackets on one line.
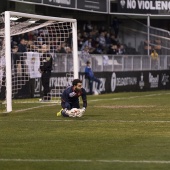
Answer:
[(15, 46), (76, 81), (88, 62)]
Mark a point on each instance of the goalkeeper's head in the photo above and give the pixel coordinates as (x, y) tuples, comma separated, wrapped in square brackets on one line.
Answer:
[(77, 84)]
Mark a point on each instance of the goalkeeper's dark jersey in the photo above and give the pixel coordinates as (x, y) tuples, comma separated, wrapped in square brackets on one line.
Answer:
[(71, 97)]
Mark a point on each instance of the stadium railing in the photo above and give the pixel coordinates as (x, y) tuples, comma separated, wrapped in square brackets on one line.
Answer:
[(105, 62), (102, 62)]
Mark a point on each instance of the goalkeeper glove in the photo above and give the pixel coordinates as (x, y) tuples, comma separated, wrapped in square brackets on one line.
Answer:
[(83, 109), (81, 112)]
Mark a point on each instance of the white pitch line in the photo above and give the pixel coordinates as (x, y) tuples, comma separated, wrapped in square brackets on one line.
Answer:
[(132, 97), (87, 160), (33, 108), (82, 120), (44, 160), (133, 161)]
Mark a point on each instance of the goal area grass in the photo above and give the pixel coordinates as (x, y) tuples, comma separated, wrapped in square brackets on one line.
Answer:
[(121, 131)]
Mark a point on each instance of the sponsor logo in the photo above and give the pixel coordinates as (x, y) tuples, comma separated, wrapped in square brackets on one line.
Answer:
[(164, 79), (122, 81), (37, 85), (153, 81), (146, 5), (122, 3), (141, 82), (61, 81), (126, 81), (113, 82)]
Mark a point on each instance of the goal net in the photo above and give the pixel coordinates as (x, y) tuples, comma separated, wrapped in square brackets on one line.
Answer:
[(22, 37)]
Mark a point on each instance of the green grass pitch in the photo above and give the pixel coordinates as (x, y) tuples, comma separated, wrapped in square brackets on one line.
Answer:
[(119, 131)]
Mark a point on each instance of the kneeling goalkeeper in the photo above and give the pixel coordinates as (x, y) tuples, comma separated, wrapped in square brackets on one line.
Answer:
[(70, 100)]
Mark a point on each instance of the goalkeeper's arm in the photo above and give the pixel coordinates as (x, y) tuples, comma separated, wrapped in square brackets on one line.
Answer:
[(84, 98)]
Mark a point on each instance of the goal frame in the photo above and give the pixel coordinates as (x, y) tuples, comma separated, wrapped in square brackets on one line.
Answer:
[(7, 15)]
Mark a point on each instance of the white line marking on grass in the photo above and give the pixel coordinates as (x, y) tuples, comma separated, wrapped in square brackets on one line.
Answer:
[(82, 120), (133, 161), (33, 108), (44, 160), (132, 97), (87, 160)]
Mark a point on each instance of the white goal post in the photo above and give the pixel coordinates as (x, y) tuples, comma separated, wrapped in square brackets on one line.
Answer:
[(7, 35)]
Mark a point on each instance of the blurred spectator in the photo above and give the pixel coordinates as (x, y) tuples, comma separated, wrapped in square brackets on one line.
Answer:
[(102, 29), (98, 49), (23, 36), (13, 43), (31, 46), (30, 35), (121, 49), (68, 50), (113, 50), (17, 62), (63, 48), (39, 42), (85, 55), (88, 27), (115, 26), (15, 57), (88, 43), (102, 40), (108, 40), (154, 59), (85, 36), (113, 40), (80, 41), (57, 49), (22, 46)]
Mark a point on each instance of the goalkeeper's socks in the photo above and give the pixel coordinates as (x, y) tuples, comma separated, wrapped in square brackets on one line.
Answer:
[(59, 113)]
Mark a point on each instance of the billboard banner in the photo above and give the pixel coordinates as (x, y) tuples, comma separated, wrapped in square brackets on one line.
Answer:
[(130, 81), (111, 82), (143, 6), (90, 5), (93, 5), (60, 3)]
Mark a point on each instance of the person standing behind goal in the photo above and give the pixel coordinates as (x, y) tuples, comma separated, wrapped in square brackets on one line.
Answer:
[(45, 70)]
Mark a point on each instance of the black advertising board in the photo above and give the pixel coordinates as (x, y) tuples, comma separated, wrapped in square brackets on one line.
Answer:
[(88, 5), (129, 81), (93, 5), (60, 3), (143, 6)]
